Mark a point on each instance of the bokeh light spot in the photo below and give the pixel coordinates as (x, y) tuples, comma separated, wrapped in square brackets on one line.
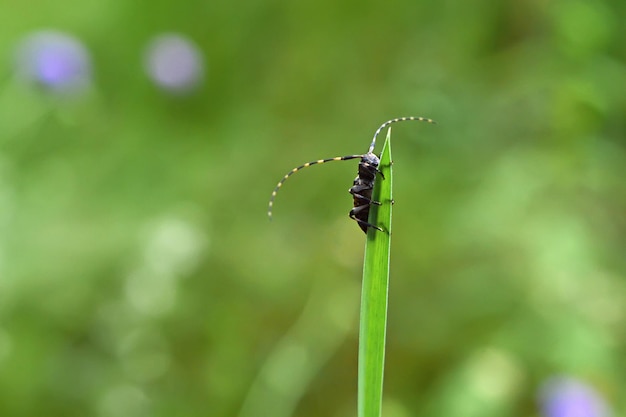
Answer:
[(124, 400), (570, 397), (174, 246), (174, 63), (55, 60), (152, 294)]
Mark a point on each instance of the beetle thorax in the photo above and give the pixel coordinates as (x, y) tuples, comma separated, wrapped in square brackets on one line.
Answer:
[(368, 167)]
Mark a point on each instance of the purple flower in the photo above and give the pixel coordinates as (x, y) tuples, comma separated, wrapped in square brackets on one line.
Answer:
[(569, 397), (54, 60), (174, 63)]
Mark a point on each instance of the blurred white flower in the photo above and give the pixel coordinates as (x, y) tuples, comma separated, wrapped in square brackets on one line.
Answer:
[(174, 63)]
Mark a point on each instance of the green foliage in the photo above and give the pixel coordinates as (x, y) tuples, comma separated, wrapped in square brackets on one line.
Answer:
[(373, 323)]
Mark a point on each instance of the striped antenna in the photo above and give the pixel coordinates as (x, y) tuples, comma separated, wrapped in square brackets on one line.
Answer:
[(293, 171), (399, 119)]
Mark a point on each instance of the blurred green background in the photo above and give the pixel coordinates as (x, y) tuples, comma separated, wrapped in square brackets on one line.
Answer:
[(139, 275)]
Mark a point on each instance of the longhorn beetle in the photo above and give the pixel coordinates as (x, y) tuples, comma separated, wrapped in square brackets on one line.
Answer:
[(363, 185)]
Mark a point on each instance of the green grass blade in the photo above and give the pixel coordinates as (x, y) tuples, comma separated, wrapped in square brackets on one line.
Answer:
[(374, 294)]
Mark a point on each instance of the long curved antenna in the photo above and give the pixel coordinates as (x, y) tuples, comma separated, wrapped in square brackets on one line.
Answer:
[(293, 171), (399, 119)]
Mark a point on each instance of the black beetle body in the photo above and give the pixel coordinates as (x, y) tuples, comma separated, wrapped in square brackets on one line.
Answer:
[(363, 184)]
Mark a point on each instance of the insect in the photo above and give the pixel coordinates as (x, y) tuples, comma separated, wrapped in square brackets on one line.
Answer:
[(363, 184)]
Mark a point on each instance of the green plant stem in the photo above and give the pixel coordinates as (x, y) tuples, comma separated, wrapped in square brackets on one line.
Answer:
[(374, 293)]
